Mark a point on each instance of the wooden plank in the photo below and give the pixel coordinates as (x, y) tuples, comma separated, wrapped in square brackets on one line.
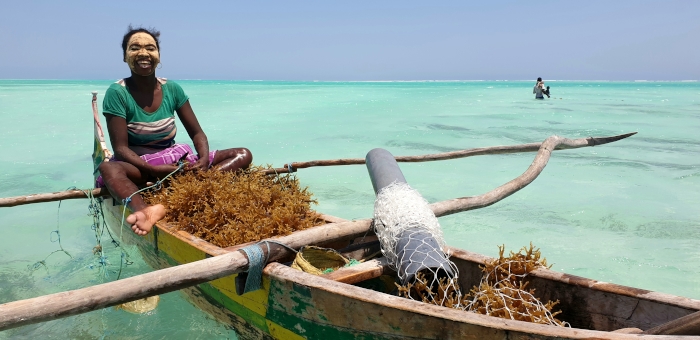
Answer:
[(360, 272)]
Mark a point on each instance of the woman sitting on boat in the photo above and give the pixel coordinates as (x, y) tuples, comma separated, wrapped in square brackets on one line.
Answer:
[(140, 113)]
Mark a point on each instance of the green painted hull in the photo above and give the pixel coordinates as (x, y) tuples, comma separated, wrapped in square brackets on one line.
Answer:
[(296, 305), (255, 315)]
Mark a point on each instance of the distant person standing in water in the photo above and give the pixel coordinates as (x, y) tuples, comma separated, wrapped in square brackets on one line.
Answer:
[(539, 89)]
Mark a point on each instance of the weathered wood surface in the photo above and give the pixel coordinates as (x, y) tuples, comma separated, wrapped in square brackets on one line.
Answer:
[(492, 150), (369, 314), (606, 306), (51, 197), (54, 306), (587, 303), (545, 151), (687, 325), (360, 272)]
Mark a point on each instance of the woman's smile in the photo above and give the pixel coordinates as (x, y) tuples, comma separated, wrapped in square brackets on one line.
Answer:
[(144, 63)]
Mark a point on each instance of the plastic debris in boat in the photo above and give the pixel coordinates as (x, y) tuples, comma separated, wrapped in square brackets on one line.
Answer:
[(140, 306)]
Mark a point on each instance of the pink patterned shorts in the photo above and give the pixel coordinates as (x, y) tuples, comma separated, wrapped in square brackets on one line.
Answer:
[(170, 155)]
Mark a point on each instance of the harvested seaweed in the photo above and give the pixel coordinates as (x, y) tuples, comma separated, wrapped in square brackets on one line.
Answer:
[(230, 208), (502, 291)]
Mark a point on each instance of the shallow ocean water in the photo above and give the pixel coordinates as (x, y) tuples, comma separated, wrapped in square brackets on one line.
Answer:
[(625, 212)]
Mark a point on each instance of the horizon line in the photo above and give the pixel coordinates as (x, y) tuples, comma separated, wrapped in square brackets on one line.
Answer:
[(376, 81)]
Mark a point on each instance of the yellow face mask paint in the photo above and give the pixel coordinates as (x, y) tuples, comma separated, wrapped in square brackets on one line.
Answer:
[(142, 54)]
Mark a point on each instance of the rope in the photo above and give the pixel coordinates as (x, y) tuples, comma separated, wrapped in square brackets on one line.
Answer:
[(42, 263), (255, 267), (99, 226), (256, 263), (125, 202), (291, 168)]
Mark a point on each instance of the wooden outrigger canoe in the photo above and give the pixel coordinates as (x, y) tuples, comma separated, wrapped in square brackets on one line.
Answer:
[(347, 305)]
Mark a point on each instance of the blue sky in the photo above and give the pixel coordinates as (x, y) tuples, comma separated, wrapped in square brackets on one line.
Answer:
[(359, 40)]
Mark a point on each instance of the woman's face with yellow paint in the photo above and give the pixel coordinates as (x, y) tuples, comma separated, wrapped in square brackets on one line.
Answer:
[(142, 54)]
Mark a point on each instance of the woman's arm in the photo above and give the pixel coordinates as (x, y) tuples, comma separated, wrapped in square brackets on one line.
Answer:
[(119, 137), (201, 144)]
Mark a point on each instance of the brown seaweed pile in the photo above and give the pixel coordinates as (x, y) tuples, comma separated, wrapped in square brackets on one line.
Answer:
[(230, 208), (502, 291)]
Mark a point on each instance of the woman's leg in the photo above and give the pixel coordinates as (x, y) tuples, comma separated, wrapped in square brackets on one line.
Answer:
[(232, 159), (120, 178)]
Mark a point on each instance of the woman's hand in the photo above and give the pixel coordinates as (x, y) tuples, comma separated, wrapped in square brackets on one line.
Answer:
[(199, 139), (160, 171), (201, 164)]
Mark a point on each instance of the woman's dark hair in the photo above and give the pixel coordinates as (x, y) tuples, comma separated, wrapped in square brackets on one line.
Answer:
[(133, 30), (538, 79)]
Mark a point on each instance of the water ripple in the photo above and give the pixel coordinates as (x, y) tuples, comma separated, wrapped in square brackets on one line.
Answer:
[(419, 146), (666, 229), (447, 127)]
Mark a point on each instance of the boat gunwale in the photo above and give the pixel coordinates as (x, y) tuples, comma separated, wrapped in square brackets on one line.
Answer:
[(573, 280), (542, 273), (212, 249), (284, 273)]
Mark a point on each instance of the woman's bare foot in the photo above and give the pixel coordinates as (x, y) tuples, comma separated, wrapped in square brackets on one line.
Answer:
[(143, 220)]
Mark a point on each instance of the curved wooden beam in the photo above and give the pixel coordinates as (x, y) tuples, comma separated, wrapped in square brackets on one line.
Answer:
[(492, 150), (544, 152)]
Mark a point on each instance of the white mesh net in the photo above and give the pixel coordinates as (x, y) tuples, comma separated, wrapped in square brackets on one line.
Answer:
[(410, 236), (412, 242)]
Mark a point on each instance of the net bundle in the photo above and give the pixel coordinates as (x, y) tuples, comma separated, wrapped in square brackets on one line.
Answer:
[(411, 238)]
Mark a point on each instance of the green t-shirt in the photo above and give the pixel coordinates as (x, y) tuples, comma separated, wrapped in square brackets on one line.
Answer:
[(154, 130)]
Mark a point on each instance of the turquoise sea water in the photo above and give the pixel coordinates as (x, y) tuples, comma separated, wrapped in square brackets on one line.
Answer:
[(625, 212)]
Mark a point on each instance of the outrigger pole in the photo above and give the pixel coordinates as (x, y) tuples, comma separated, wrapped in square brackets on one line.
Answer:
[(560, 144)]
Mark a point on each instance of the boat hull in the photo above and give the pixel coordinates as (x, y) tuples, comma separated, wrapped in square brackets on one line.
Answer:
[(296, 305)]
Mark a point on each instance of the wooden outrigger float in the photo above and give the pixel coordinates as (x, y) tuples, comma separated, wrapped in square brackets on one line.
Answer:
[(346, 304)]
